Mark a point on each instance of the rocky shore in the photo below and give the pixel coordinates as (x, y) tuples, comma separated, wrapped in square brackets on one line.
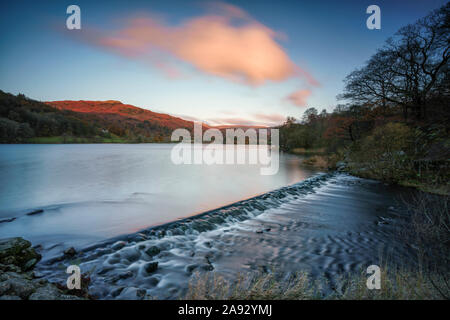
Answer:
[(18, 281)]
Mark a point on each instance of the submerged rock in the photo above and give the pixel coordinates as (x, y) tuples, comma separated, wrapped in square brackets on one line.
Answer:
[(151, 267), (7, 220), (70, 252), (132, 293), (118, 245), (32, 213), (153, 251)]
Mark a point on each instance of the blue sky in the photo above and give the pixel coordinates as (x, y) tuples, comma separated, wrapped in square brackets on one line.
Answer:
[(327, 39)]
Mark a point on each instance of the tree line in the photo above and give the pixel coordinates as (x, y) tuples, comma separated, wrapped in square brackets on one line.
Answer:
[(394, 116)]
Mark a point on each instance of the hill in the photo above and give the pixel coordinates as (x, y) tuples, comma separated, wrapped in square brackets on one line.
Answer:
[(112, 107), (24, 120)]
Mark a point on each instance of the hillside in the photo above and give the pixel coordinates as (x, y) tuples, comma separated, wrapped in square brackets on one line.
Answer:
[(104, 108), (24, 120)]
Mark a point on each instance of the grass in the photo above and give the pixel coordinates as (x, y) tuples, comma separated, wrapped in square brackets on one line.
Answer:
[(372, 171), (71, 139), (443, 190), (395, 285)]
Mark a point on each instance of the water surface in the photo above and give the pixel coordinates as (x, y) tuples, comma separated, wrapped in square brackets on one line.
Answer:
[(90, 192)]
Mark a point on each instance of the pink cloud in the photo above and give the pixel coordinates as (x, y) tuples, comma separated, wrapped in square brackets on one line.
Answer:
[(270, 118), (234, 121), (214, 44), (255, 119), (299, 97)]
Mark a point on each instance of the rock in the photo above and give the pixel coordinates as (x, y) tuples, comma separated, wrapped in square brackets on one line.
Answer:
[(208, 244), (131, 254), (70, 252), (259, 231), (152, 281), (118, 245), (206, 267), (140, 293), (151, 267), (17, 286), (9, 267), (37, 275), (45, 293), (30, 264), (140, 237), (341, 165), (13, 246), (7, 220), (10, 298), (131, 293), (18, 252), (123, 275), (50, 292), (152, 251), (191, 267), (161, 234), (35, 212), (16, 257), (104, 270), (117, 291), (113, 260)]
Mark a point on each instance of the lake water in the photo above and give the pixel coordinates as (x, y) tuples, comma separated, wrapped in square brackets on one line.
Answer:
[(116, 203), (91, 192)]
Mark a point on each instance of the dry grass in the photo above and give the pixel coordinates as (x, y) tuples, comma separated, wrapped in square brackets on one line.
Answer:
[(398, 285)]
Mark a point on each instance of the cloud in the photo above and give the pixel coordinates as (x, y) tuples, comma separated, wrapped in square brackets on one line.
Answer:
[(270, 118), (255, 119), (227, 43), (234, 121), (299, 97)]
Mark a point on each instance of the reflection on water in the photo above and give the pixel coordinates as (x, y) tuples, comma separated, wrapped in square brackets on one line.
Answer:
[(92, 192)]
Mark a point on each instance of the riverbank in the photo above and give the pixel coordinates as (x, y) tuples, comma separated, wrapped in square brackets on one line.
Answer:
[(384, 172)]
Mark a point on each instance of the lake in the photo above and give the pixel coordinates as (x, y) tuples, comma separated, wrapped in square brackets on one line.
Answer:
[(90, 192), (116, 203)]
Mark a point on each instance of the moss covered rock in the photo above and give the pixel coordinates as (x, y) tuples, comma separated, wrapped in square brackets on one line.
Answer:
[(18, 252)]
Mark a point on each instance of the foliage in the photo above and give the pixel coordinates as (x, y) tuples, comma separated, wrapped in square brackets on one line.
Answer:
[(395, 126), (26, 120)]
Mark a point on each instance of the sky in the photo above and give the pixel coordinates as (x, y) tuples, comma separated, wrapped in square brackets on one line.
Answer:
[(236, 62)]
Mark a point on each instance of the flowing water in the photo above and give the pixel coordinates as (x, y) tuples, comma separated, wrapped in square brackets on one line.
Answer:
[(124, 207)]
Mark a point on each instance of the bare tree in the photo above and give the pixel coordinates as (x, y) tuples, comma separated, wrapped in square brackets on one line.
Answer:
[(409, 70)]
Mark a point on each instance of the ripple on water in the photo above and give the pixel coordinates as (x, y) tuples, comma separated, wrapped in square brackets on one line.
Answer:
[(324, 225)]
